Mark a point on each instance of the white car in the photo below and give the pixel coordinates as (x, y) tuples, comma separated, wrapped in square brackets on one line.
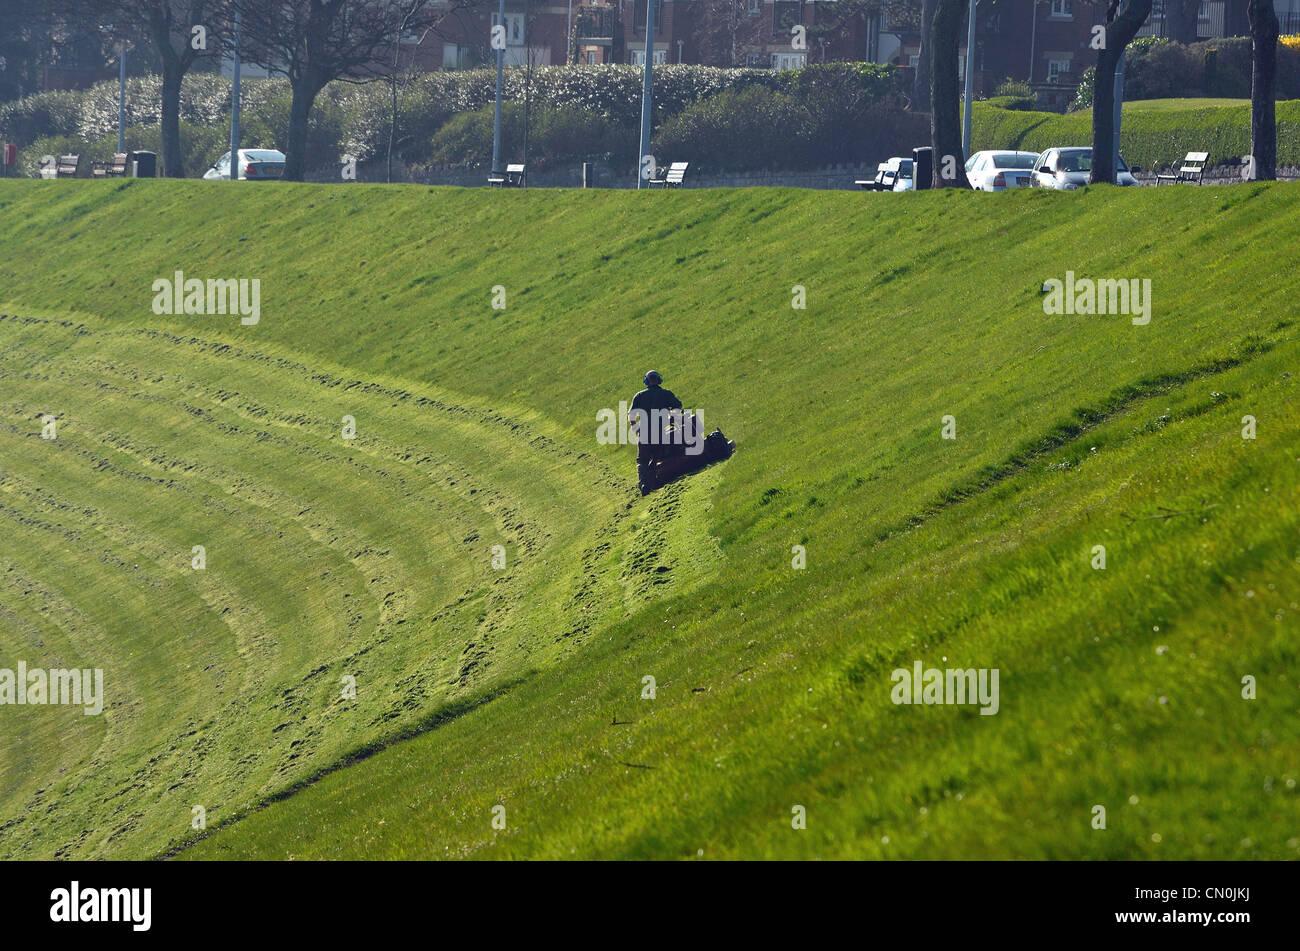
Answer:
[(1068, 169), (995, 171), (255, 165)]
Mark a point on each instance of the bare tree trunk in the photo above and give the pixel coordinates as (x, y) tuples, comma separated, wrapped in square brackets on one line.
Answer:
[(1120, 31), (921, 80), (945, 105), (1263, 121), (1103, 116), (295, 153), (172, 167)]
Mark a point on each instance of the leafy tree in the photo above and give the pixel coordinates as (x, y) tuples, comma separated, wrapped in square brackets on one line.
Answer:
[(316, 41)]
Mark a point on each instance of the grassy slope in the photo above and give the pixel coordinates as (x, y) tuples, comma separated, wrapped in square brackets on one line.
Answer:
[(1119, 688), (1155, 133)]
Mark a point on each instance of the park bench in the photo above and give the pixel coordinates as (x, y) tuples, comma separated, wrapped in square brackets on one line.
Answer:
[(673, 178), (874, 184), (1193, 170), (114, 169), (67, 166), (515, 176)]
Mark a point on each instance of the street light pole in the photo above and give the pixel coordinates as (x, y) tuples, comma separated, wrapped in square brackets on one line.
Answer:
[(647, 91), (496, 113), (121, 96), (234, 103), (1119, 115)]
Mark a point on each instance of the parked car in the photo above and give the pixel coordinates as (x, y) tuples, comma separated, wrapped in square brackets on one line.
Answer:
[(255, 165), (895, 175), (995, 171), (1067, 169)]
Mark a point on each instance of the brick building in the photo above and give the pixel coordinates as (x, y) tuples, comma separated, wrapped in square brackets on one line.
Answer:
[(1044, 42), (755, 33)]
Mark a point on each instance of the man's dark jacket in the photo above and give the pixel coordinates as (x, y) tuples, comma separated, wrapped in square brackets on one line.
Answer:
[(651, 399)]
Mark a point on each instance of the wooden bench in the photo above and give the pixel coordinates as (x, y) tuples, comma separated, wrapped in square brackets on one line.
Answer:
[(515, 177), (67, 166), (1193, 170), (113, 169), (673, 178)]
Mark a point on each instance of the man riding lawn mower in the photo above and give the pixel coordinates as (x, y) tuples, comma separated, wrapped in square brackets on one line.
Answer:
[(668, 440)]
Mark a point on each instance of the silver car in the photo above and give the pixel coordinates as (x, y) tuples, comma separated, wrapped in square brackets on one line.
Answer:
[(255, 165), (1068, 169)]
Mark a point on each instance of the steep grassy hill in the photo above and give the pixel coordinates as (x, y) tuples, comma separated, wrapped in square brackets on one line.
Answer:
[(522, 687)]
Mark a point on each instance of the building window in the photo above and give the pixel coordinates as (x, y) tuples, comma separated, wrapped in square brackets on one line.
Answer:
[(1061, 9), (638, 57), (514, 28), (754, 7), (789, 60), (784, 16), (755, 60), (455, 56), (638, 21), (1057, 68)]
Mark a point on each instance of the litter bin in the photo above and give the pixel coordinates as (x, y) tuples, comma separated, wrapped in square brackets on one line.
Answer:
[(922, 166), (144, 165)]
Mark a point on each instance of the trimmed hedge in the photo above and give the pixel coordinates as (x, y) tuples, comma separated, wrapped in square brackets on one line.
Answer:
[(354, 119), (556, 134), (1156, 68), (1150, 137), (759, 128)]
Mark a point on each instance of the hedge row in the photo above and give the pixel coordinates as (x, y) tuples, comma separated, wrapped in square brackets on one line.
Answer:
[(354, 119), (758, 128), (1152, 136), (1156, 68)]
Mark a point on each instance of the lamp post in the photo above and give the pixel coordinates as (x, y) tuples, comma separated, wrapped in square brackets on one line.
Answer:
[(496, 112), (647, 91), (234, 103), (970, 79), (121, 96), (1119, 114)]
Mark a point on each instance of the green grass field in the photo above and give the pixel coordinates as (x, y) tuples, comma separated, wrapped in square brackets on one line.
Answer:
[(522, 687), (1154, 133)]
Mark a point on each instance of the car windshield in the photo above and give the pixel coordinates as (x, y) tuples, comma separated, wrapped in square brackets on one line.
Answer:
[(1080, 161), (1014, 160)]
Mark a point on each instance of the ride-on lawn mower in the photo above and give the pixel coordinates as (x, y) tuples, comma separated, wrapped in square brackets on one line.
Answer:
[(681, 452)]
